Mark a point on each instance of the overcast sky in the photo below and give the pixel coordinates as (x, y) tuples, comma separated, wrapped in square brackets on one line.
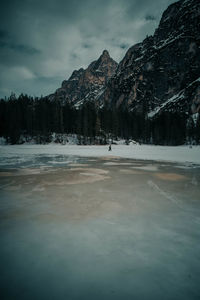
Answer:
[(43, 41)]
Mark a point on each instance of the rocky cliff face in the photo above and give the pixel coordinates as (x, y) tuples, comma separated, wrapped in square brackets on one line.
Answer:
[(89, 84), (162, 72)]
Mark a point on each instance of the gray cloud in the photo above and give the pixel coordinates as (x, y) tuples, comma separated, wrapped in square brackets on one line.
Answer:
[(42, 42)]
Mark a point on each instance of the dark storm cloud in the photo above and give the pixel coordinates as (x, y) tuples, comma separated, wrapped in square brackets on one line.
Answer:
[(6, 42), (24, 49), (21, 48), (42, 42), (123, 46), (3, 34), (150, 18)]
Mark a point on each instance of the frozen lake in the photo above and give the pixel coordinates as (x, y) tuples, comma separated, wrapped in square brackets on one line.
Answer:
[(98, 228)]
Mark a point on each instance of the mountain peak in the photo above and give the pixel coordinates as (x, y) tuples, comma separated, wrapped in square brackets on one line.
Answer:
[(104, 64), (105, 53), (85, 85)]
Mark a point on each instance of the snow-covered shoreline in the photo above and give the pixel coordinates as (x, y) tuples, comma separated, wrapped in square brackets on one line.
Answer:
[(182, 154)]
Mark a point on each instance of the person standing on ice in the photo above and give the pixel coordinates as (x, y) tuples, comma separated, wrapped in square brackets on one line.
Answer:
[(110, 141)]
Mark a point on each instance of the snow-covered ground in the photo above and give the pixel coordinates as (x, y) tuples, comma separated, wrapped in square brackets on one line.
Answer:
[(182, 154)]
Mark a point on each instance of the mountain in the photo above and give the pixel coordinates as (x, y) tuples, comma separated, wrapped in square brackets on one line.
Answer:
[(162, 73), (88, 84), (153, 94)]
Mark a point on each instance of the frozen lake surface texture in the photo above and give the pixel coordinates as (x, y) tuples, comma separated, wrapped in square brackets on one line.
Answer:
[(98, 227)]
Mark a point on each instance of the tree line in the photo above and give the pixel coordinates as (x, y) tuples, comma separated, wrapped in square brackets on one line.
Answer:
[(39, 118)]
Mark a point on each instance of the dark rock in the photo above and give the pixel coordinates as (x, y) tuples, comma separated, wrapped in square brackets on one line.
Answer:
[(164, 66), (86, 85)]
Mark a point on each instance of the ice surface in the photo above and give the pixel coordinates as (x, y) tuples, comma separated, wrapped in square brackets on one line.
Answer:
[(129, 230), (64, 154)]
